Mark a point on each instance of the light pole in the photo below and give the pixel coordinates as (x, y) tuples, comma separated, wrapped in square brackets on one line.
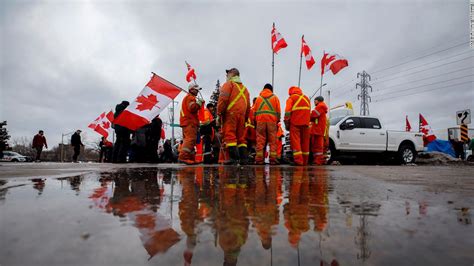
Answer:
[(320, 88)]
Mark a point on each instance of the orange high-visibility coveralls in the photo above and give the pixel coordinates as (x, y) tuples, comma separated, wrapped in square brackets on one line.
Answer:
[(318, 130), (233, 106), (207, 137), (280, 136), (267, 115), (297, 114), (189, 122), (250, 133)]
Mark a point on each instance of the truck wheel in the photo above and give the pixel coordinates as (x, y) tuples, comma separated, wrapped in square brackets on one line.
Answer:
[(406, 154), (331, 154)]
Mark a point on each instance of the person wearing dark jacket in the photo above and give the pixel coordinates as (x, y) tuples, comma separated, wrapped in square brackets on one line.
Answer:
[(39, 141), (76, 143), (153, 135), (122, 142)]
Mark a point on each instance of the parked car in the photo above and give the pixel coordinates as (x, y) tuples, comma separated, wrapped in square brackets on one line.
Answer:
[(360, 136), (11, 156)]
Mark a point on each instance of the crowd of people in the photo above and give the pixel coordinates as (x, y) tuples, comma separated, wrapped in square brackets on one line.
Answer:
[(232, 132), (240, 132)]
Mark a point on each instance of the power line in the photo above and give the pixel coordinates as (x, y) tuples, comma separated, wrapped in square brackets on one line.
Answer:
[(398, 96), (409, 74), (344, 84), (435, 83), (430, 77), (420, 57), (460, 37), (426, 64)]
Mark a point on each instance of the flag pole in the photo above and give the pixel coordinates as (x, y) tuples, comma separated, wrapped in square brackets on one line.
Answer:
[(301, 61), (273, 60), (322, 73)]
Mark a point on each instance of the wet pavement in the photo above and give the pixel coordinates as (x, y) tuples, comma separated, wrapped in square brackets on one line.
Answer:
[(255, 215)]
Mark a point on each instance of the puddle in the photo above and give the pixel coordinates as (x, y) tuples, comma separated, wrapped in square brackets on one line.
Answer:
[(230, 216)]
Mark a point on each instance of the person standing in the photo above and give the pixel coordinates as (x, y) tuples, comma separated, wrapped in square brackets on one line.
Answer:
[(280, 135), (297, 114), (122, 141), (318, 129), (233, 107), (39, 141), (189, 122), (250, 133), (105, 147), (267, 116), (76, 143), (153, 136), (207, 132)]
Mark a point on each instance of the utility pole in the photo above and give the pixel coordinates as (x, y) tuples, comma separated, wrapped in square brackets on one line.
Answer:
[(171, 113), (364, 93)]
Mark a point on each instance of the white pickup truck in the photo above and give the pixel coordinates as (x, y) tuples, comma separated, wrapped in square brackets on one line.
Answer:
[(360, 136)]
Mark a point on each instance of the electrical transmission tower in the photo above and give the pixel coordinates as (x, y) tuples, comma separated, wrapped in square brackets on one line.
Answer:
[(364, 93)]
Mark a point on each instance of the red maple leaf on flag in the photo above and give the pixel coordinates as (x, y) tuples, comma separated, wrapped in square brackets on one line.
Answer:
[(146, 103), (106, 124)]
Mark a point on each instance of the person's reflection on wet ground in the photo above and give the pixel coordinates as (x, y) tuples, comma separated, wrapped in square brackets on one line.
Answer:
[(74, 182), (39, 185), (232, 222), (319, 198), (296, 211), (188, 210), (136, 198), (262, 205)]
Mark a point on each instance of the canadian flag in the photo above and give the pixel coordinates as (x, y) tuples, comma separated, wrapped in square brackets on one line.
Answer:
[(163, 134), (333, 62), (278, 42), (103, 124), (428, 135), (191, 73), (156, 95), (307, 54), (407, 124)]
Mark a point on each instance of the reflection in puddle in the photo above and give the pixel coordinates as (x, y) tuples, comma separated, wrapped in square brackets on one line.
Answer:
[(248, 216)]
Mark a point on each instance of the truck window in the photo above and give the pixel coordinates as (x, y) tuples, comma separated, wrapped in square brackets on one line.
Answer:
[(373, 123), (357, 122), (336, 120)]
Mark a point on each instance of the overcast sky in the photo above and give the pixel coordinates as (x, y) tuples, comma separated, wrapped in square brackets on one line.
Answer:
[(64, 62)]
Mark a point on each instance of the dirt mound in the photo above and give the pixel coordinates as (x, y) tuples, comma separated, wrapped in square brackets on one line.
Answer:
[(436, 158)]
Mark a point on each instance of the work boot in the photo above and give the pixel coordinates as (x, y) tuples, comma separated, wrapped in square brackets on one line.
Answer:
[(187, 162), (234, 156), (244, 156), (274, 162)]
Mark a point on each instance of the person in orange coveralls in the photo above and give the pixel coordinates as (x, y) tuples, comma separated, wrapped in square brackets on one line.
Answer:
[(189, 122), (297, 114), (318, 129), (267, 116), (250, 133), (207, 132), (280, 136), (233, 107)]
